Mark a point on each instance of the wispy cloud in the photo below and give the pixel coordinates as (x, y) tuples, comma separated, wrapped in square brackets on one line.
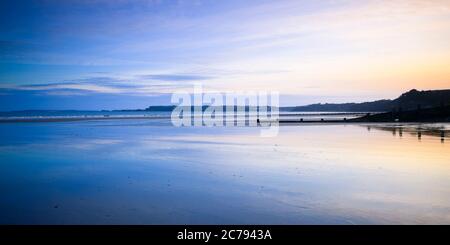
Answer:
[(73, 86), (176, 77), (138, 85)]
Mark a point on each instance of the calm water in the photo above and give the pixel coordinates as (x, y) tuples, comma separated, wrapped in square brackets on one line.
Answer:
[(242, 116), (148, 172)]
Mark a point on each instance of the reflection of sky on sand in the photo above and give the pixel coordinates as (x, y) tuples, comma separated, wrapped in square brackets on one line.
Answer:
[(133, 172)]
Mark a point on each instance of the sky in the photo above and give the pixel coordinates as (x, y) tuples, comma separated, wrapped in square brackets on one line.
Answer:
[(121, 54)]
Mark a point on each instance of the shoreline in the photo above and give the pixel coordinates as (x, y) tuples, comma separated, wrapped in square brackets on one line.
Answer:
[(74, 119), (286, 122)]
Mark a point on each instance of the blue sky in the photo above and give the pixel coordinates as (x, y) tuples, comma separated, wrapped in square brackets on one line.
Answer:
[(130, 54)]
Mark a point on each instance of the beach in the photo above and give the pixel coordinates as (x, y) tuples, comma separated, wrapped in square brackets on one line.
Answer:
[(141, 171)]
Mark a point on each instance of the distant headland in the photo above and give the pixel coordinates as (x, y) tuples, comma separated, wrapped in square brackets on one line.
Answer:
[(410, 100), (412, 106)]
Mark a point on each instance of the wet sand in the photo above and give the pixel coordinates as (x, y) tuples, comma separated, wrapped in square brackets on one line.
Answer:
[(146, 172)]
